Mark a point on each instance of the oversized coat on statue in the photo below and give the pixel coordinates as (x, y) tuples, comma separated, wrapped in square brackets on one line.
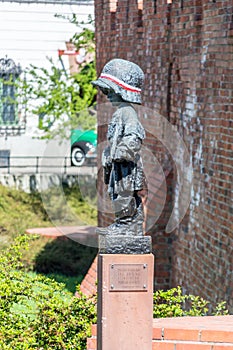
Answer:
[(121, 160)]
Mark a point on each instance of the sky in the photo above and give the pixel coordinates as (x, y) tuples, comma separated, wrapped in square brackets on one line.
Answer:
[(30, 32)]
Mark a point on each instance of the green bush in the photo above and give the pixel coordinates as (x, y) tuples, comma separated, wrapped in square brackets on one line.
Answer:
[(37, 312), (173, 303)]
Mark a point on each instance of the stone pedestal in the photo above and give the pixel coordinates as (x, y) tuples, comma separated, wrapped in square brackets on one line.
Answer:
[(124, 244), (125, 301)]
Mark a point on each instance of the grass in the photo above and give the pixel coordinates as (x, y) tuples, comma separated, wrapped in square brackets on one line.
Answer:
[(19, 211), (63, 260)]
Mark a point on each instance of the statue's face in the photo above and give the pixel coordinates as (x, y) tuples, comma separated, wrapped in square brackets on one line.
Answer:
[(114, 98)]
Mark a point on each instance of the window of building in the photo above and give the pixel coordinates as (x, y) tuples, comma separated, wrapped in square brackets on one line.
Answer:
[(4, 158), (9, 73)]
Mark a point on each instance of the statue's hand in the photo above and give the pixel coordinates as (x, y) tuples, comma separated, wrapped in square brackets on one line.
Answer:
[(106, 159), (128, 148), (122, 154)]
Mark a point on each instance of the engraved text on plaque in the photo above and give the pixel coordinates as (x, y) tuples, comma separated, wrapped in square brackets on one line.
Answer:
[(128, 277)]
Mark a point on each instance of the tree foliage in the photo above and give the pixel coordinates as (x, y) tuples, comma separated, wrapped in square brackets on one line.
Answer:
[(61, 100)]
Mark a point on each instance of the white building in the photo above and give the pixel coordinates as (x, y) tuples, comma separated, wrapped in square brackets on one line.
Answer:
[(30, 32)]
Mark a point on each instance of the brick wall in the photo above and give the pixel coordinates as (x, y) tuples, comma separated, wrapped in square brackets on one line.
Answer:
[(186, 51), (187, 333)]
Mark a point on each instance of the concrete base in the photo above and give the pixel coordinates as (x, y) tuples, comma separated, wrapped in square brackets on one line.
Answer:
[(125, 301)]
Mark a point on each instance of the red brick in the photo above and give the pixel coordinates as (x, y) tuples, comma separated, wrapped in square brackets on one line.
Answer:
[(181, 334), (217, 336), (91, 344), (162, 345), (94, 330), (157, 333), (193, 346)]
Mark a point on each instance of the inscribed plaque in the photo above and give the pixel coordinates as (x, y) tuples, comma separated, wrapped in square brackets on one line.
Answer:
[(128, 277)]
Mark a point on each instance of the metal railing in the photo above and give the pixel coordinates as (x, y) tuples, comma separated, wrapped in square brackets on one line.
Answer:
[(44, 164)]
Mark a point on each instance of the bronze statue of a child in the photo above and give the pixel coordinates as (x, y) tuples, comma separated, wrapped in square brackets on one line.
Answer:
[(121, 81)]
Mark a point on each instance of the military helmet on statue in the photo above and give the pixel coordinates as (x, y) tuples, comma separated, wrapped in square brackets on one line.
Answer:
[(125, 78)]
